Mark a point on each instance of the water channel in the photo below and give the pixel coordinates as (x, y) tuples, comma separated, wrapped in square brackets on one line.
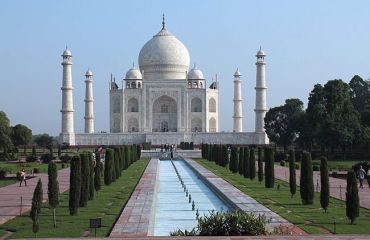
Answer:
[(173, 210)]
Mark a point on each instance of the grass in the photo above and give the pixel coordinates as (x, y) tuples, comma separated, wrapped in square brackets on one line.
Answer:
[(332, 165), (6, 182), (28, 166), (311, 218), (107, 204)]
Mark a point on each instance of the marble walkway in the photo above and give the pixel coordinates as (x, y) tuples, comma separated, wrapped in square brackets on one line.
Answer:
[(15, 200)]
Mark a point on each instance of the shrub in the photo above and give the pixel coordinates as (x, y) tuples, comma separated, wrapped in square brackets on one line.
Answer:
[(352, 199), (31, 158), (65, 158), (297, 166), (306, 182), (36, 170), (280, 156), (282, 163), (269, 168), (325, 189), (46, 157), (191, 146), (187, 146), (147, 145), (3, 173), (315, 168)]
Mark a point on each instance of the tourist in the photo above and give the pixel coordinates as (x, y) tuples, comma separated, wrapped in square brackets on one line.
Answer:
[(361, 176), (23, 178), (368, 176)]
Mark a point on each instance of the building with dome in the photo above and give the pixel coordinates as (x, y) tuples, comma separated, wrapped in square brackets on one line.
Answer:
[(162, 101)]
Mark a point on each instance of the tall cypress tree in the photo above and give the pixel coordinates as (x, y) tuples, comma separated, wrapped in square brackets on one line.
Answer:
[(269, 168), (233, 166), (91, 175), (108, 167), (138, 149), (117, 160), (292, 173), (246, 165), (36, 206), (98, 173), (127, 156), (225, 156), (241, 160), (325, 189), (307, 190), (252, 164), (210, 157), (352, 199), (260, 165), (74, 185), (53, 188), (85, 178), (113, 166)]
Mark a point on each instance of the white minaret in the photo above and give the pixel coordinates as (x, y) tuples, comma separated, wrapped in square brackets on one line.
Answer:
[(67, 134), (238, 112), (260, 109), (89, 103)]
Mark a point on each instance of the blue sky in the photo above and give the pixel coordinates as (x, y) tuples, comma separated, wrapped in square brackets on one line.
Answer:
[(306, 42)]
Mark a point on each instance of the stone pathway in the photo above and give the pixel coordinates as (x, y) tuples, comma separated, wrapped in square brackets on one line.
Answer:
[(15, 200), (337, 186)]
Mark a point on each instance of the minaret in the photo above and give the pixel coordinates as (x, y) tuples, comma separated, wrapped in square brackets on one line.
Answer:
[(89, 103), (67, 133), (260, 109), (238, 112)]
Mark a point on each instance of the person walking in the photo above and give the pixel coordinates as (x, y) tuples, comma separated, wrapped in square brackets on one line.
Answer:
[(361, 176), (23, 178), (368, 176)]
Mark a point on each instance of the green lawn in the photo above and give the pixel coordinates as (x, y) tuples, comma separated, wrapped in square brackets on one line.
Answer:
[(6, 182), (311, 218), (28, 166), (107, 204)]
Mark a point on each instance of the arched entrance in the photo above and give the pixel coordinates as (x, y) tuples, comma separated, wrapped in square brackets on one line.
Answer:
[(164, 115)]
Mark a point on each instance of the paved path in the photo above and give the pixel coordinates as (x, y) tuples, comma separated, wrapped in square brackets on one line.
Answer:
[(337, 186), (11, 195)]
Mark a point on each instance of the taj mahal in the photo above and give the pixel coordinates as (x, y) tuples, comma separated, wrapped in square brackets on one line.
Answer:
[(163, 101)]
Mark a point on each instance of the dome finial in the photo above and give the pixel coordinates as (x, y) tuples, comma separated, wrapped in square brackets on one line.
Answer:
[(133, 64), (163, 22)]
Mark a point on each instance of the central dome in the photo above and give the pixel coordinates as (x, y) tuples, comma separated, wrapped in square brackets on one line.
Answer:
[(164, 57)]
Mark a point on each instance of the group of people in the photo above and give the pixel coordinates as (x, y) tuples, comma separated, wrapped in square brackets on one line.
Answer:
[(361, 174), (169, 148)]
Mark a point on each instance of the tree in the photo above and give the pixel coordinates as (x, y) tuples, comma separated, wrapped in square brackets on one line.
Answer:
[(53, 188), (127, 156), (325, 189), (225, 156), (85, 179), (44, 140), (108, 167), (113, 166), (36, 206), (307, 190), (98, 173), (241, 160), (5, 134), (260, 165), (283, 123), (74, 185), (233, 166), (352, 199), (359, 91), (117, 160), (91, 175), (252, 165), (138, 150), (21, 135), (269, 168), (246, 166), (292, 173)]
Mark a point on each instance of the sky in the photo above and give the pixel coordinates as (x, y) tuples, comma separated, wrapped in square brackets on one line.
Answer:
[(306, 42)]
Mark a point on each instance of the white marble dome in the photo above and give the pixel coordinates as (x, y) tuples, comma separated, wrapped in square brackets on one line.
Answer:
[(67, 52), (164, 57), (195, 74), (88, 73), (133, 73)]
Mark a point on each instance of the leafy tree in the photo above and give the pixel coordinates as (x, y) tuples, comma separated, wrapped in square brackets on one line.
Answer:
[(21, 135), (85, 178), (246, 165), (359, 91), (325, 189), (36, 206), (108, 167), (252, 163), (74, 185), (44, 140), (269, 168), (292, 173), (5, 133), (53, 188), (283, 123), (241, 160), (352, 199), (233, 166), (307, 190), (91, 175), (260, 165)]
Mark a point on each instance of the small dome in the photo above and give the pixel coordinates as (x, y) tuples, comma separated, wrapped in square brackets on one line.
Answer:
[(261, 53), (237, 72), (133, 73), (195, 74), (67, 53), (89, 73)]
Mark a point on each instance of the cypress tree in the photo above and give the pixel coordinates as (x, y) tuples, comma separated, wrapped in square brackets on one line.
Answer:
[(59, 151), (203, 151), (233, 166), (98, 172), (292, 173), (138, 150), (225, 156), (219, 155), (208, 151), (53, 188), (260, 165), (241, 160), (113, 166), (34, 151), (352, 199), (123, 158), (134, 151), (210, 157), (246, 166), (127, 156), (36, 201), (108, 167), (74, 185), (325, 189), (269, 168), (252, 164), (85, 178), (91, 175), (307, 190), (117, 160)]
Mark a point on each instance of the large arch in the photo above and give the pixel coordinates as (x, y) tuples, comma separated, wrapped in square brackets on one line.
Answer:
[(196, 125), (212, 105), (164, 114), (196, 105), (132, 105), (212, 124), (133, 125)]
